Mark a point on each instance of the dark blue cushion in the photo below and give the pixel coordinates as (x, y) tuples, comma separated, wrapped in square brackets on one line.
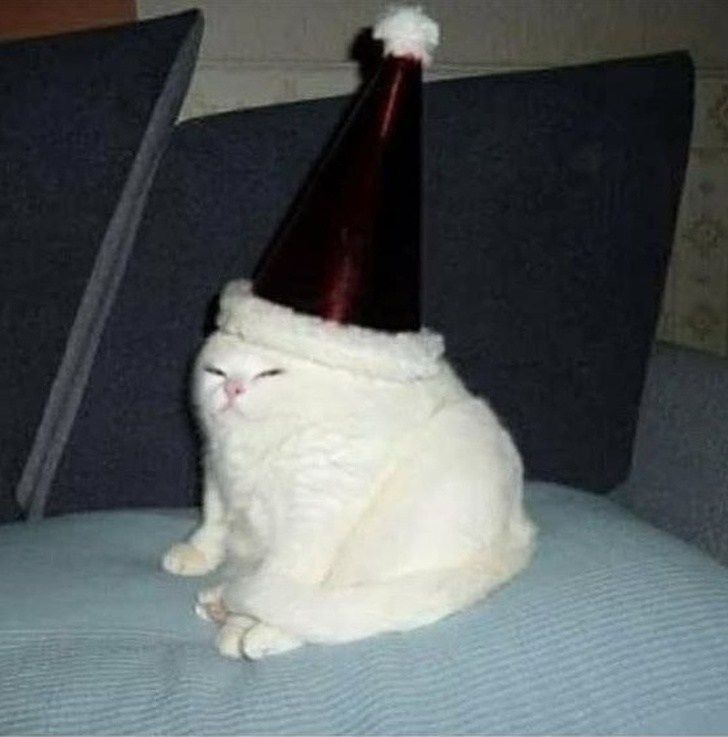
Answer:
[(553, 197), (550, 202), (223, 185), (83, 121)]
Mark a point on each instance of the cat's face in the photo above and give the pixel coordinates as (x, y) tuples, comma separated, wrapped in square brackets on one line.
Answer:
[(234, 379)]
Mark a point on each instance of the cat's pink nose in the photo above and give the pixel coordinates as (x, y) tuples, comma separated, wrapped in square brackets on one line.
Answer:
[(234, 388)]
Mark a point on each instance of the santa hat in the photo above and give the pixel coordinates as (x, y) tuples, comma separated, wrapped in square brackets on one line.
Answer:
[(340, 284)]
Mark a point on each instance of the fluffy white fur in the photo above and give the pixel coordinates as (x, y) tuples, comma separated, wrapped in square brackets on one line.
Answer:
[(407, 31), (352, 504)]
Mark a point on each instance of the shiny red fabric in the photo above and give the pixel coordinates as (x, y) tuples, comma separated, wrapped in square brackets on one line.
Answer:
[(349, 250)]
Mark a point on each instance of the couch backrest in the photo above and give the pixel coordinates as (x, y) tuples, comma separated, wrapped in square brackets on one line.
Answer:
[(550, 201), (679, 478)]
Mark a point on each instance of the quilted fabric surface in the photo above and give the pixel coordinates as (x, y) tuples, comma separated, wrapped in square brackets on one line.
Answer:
[(616, 628)]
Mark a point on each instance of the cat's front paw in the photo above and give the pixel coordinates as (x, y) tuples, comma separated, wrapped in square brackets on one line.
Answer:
[(210, 606), (229, 640), (184, 559), (263, 640)]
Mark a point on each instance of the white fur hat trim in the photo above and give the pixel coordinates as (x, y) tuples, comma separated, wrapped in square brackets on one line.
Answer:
[(392, 356)]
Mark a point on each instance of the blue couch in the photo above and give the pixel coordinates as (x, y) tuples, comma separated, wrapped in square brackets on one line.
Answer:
[(551, 208), (616, 628)]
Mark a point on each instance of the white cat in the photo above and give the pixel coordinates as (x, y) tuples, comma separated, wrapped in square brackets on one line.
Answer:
[(364, 487)]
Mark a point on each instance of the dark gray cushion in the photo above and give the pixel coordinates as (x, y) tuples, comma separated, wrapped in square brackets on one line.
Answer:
[(222, 187), (550, 201), (679, 479), (83, 121), (553, 198)]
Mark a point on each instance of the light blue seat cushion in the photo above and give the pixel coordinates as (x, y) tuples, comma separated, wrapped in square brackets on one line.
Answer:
[(615, 628)]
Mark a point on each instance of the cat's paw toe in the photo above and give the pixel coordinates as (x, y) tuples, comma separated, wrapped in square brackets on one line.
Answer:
[(228, 642), (202, 613), (230, 636), (185, 559), (263, 640), (210, 606)]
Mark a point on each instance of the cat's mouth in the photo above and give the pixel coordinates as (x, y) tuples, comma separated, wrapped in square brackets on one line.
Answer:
[(232, 399), (230, 404)]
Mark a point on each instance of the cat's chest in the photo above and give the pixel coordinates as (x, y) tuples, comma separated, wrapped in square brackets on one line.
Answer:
[(283, 462), (241, 460)]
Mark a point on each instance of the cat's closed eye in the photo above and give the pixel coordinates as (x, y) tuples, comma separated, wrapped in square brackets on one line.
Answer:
[(269, 372), (214, 370)]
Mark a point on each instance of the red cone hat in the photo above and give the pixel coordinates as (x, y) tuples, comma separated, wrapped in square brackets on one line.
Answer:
[(340, 285), (349, 250)]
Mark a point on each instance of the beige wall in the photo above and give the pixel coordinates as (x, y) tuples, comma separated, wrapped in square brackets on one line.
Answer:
[(256, 52), (27, 19)]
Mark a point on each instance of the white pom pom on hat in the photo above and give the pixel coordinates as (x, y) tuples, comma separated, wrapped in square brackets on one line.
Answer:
[(407, 31)]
